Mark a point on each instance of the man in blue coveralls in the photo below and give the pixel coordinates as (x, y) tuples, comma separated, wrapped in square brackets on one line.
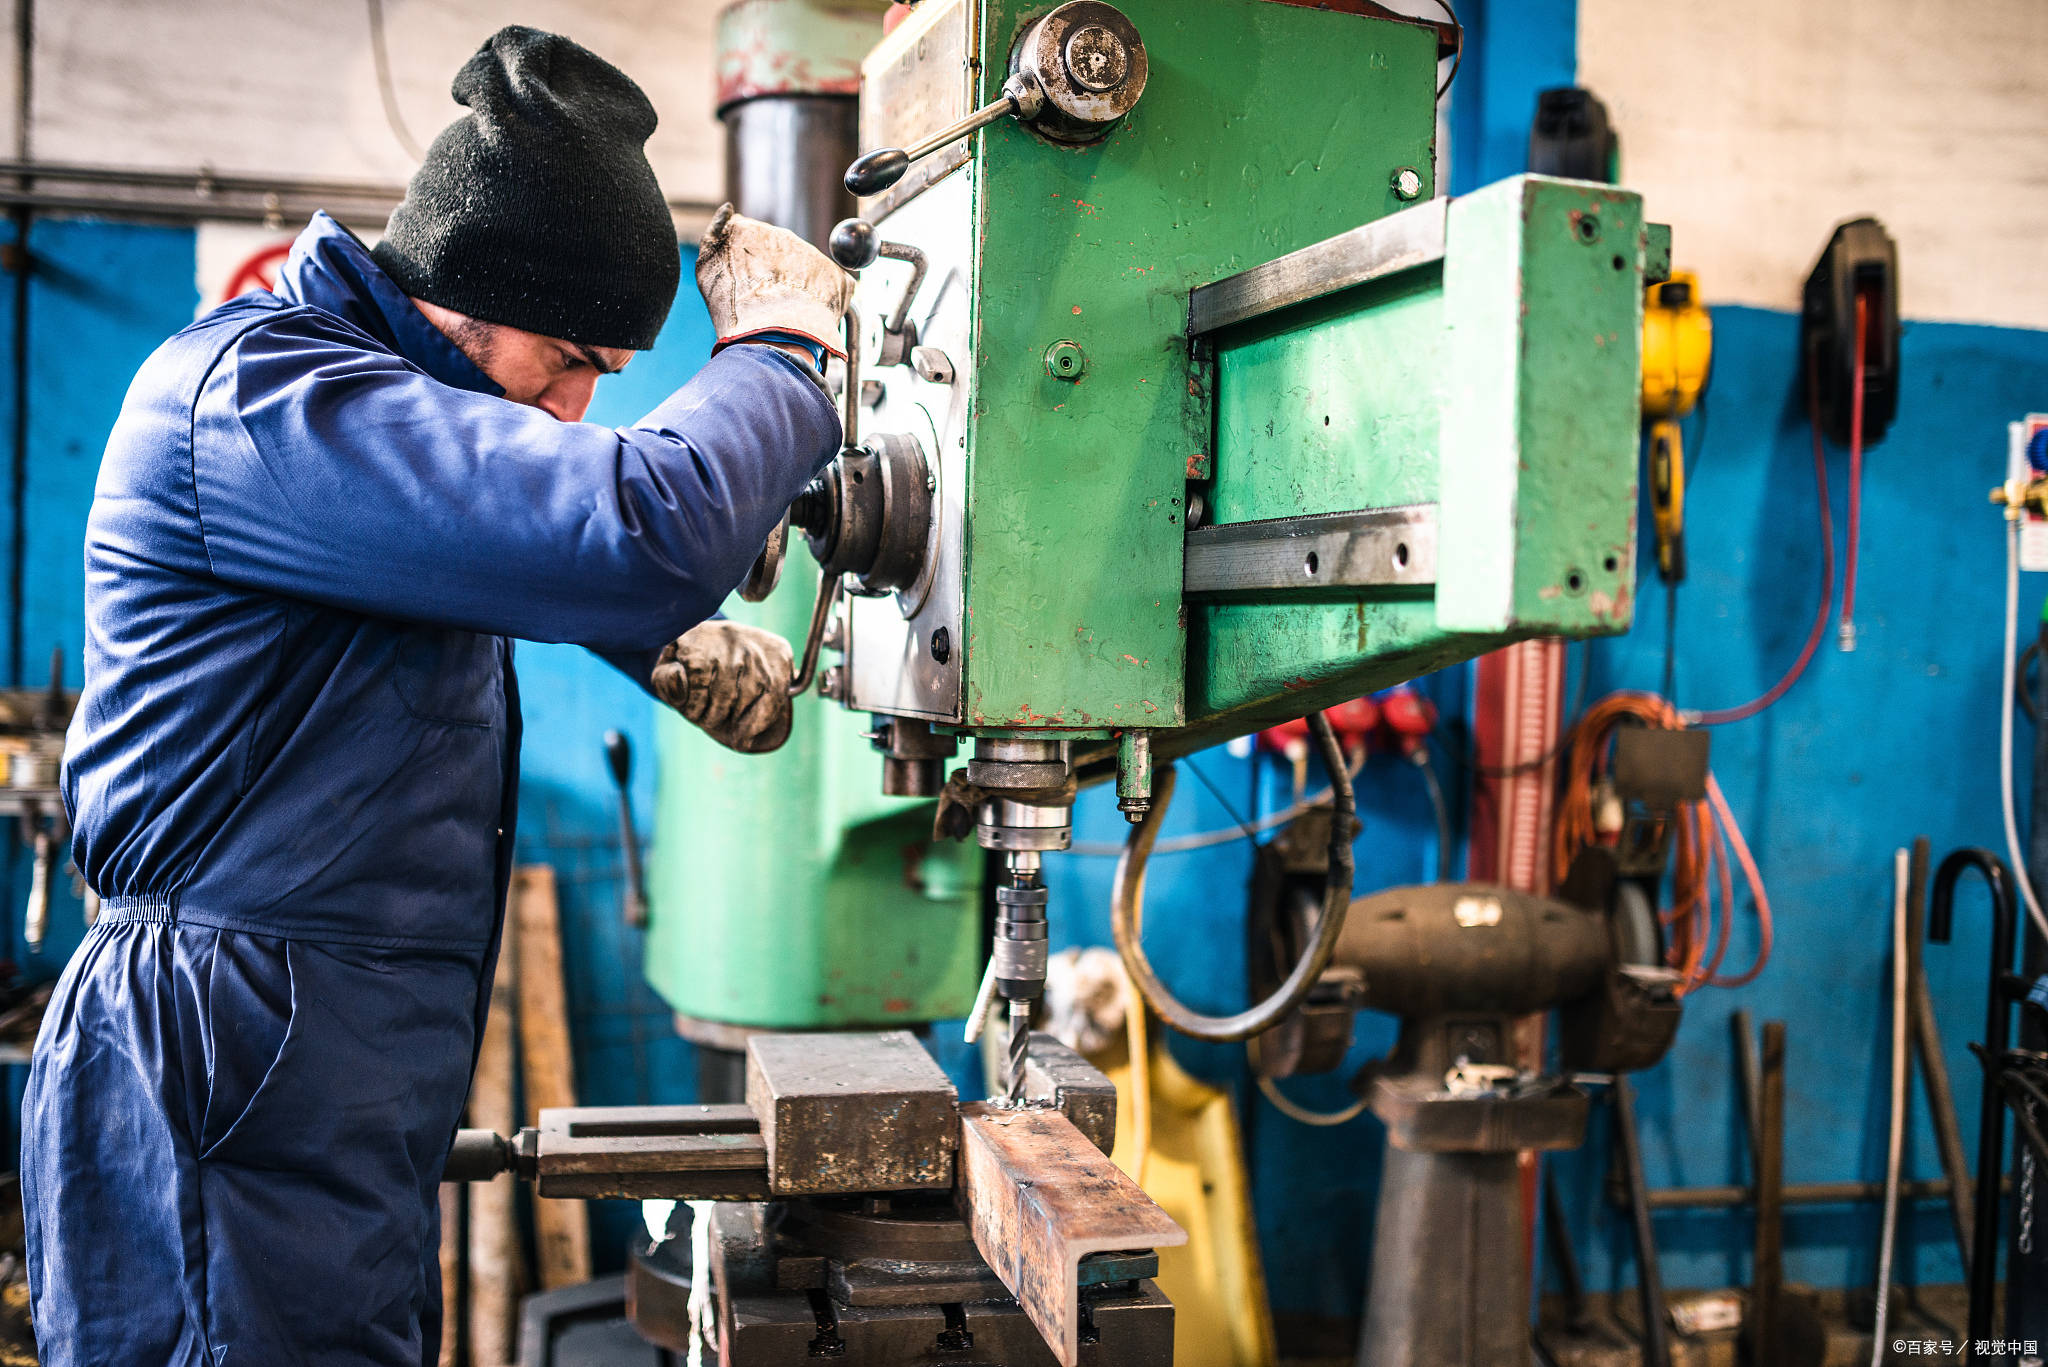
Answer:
[(320, 516)]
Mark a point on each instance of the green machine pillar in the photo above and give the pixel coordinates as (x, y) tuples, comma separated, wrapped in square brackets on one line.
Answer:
[(785, 892)]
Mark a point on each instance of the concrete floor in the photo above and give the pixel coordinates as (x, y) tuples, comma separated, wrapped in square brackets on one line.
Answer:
[(1927, 1322)]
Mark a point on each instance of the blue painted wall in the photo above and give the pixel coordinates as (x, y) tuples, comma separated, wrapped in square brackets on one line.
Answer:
[(1869, 750)]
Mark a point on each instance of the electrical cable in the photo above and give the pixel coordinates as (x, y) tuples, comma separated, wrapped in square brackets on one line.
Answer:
[(1442, 811), (2022, 875), (1302, 1114), (1707, 839), (1895, 1136), (1846, 633), (380, 55), (1137, 1036), (1127, 909), (1229, 808), (1204, 840), (1724, 715), (1457, 58)]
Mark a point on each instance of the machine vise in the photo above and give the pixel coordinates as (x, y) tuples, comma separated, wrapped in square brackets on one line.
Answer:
[(865, 1214)]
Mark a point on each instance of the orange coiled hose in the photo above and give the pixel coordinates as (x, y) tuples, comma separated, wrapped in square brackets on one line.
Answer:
[(1706, 842)]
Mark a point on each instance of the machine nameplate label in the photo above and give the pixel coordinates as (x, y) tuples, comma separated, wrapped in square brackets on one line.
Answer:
[(914, 83)]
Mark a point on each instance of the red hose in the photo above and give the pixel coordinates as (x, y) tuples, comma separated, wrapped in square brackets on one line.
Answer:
[(1855, 474), (1722, 716)]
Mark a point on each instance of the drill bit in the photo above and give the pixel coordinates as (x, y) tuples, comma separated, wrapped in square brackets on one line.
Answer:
[(1018, 956), (1020, 1043)]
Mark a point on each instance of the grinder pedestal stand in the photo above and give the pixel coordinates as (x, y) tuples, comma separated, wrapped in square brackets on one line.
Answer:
[(1449, 1285)]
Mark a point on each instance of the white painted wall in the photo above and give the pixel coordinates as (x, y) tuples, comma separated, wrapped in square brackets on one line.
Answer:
[(289, 87), (1754, 126)]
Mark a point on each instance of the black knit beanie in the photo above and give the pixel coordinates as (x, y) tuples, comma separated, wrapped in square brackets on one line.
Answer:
[(537, 209)]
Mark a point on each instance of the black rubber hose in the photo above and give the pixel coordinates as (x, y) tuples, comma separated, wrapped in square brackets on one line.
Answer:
[(1127, 905)]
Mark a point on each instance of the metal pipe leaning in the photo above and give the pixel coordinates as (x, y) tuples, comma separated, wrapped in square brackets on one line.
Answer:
[(1983, 1264)]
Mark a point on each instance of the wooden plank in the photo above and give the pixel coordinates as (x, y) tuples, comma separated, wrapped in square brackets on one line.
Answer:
[(451, 1273), (561, 1227), (1039, 1196), (494, 1264)]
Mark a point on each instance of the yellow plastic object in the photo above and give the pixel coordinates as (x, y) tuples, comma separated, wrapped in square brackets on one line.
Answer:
[(1192, 1164), (1678, 346), (1667, 497)]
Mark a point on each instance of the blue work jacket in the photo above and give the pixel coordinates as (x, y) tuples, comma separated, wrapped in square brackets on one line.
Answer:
[(316, 525)]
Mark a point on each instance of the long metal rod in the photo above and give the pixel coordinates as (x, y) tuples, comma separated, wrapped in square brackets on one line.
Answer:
[(1649, 1275), (829, 585), (1768, 1271), (1750, 1077), (1926, 1027), (1003, 107), (1564, 1259), (1792, 1194), (201, 195), (2005, 916), (1895, 1130)]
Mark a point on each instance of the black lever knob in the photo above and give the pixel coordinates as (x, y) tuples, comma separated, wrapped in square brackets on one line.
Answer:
[(618, 753), (877, 171), (854, 243)]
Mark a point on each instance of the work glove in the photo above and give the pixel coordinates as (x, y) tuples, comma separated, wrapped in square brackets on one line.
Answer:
[(732, 681), (758, 279)]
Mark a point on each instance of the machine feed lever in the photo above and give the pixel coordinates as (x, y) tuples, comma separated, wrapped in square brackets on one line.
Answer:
[(1079, 69), (829, 585), (880, 169), (855, 245)]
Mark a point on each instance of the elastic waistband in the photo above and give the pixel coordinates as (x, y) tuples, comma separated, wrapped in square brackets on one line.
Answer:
[(168, 909)]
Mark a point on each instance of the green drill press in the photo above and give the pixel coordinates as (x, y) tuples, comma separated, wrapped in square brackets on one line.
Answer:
[(1179, 407)]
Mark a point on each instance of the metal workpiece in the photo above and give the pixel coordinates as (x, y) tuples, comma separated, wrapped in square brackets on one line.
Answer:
[(851, 1112), (1039, 1198), (1372, 251), (1056, 1076), (1369, 548)]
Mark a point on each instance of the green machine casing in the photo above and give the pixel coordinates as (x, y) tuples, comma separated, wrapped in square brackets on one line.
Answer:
[(1235, 421)]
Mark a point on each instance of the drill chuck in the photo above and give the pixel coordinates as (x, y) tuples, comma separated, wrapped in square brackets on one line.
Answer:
[(1019, 949)]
